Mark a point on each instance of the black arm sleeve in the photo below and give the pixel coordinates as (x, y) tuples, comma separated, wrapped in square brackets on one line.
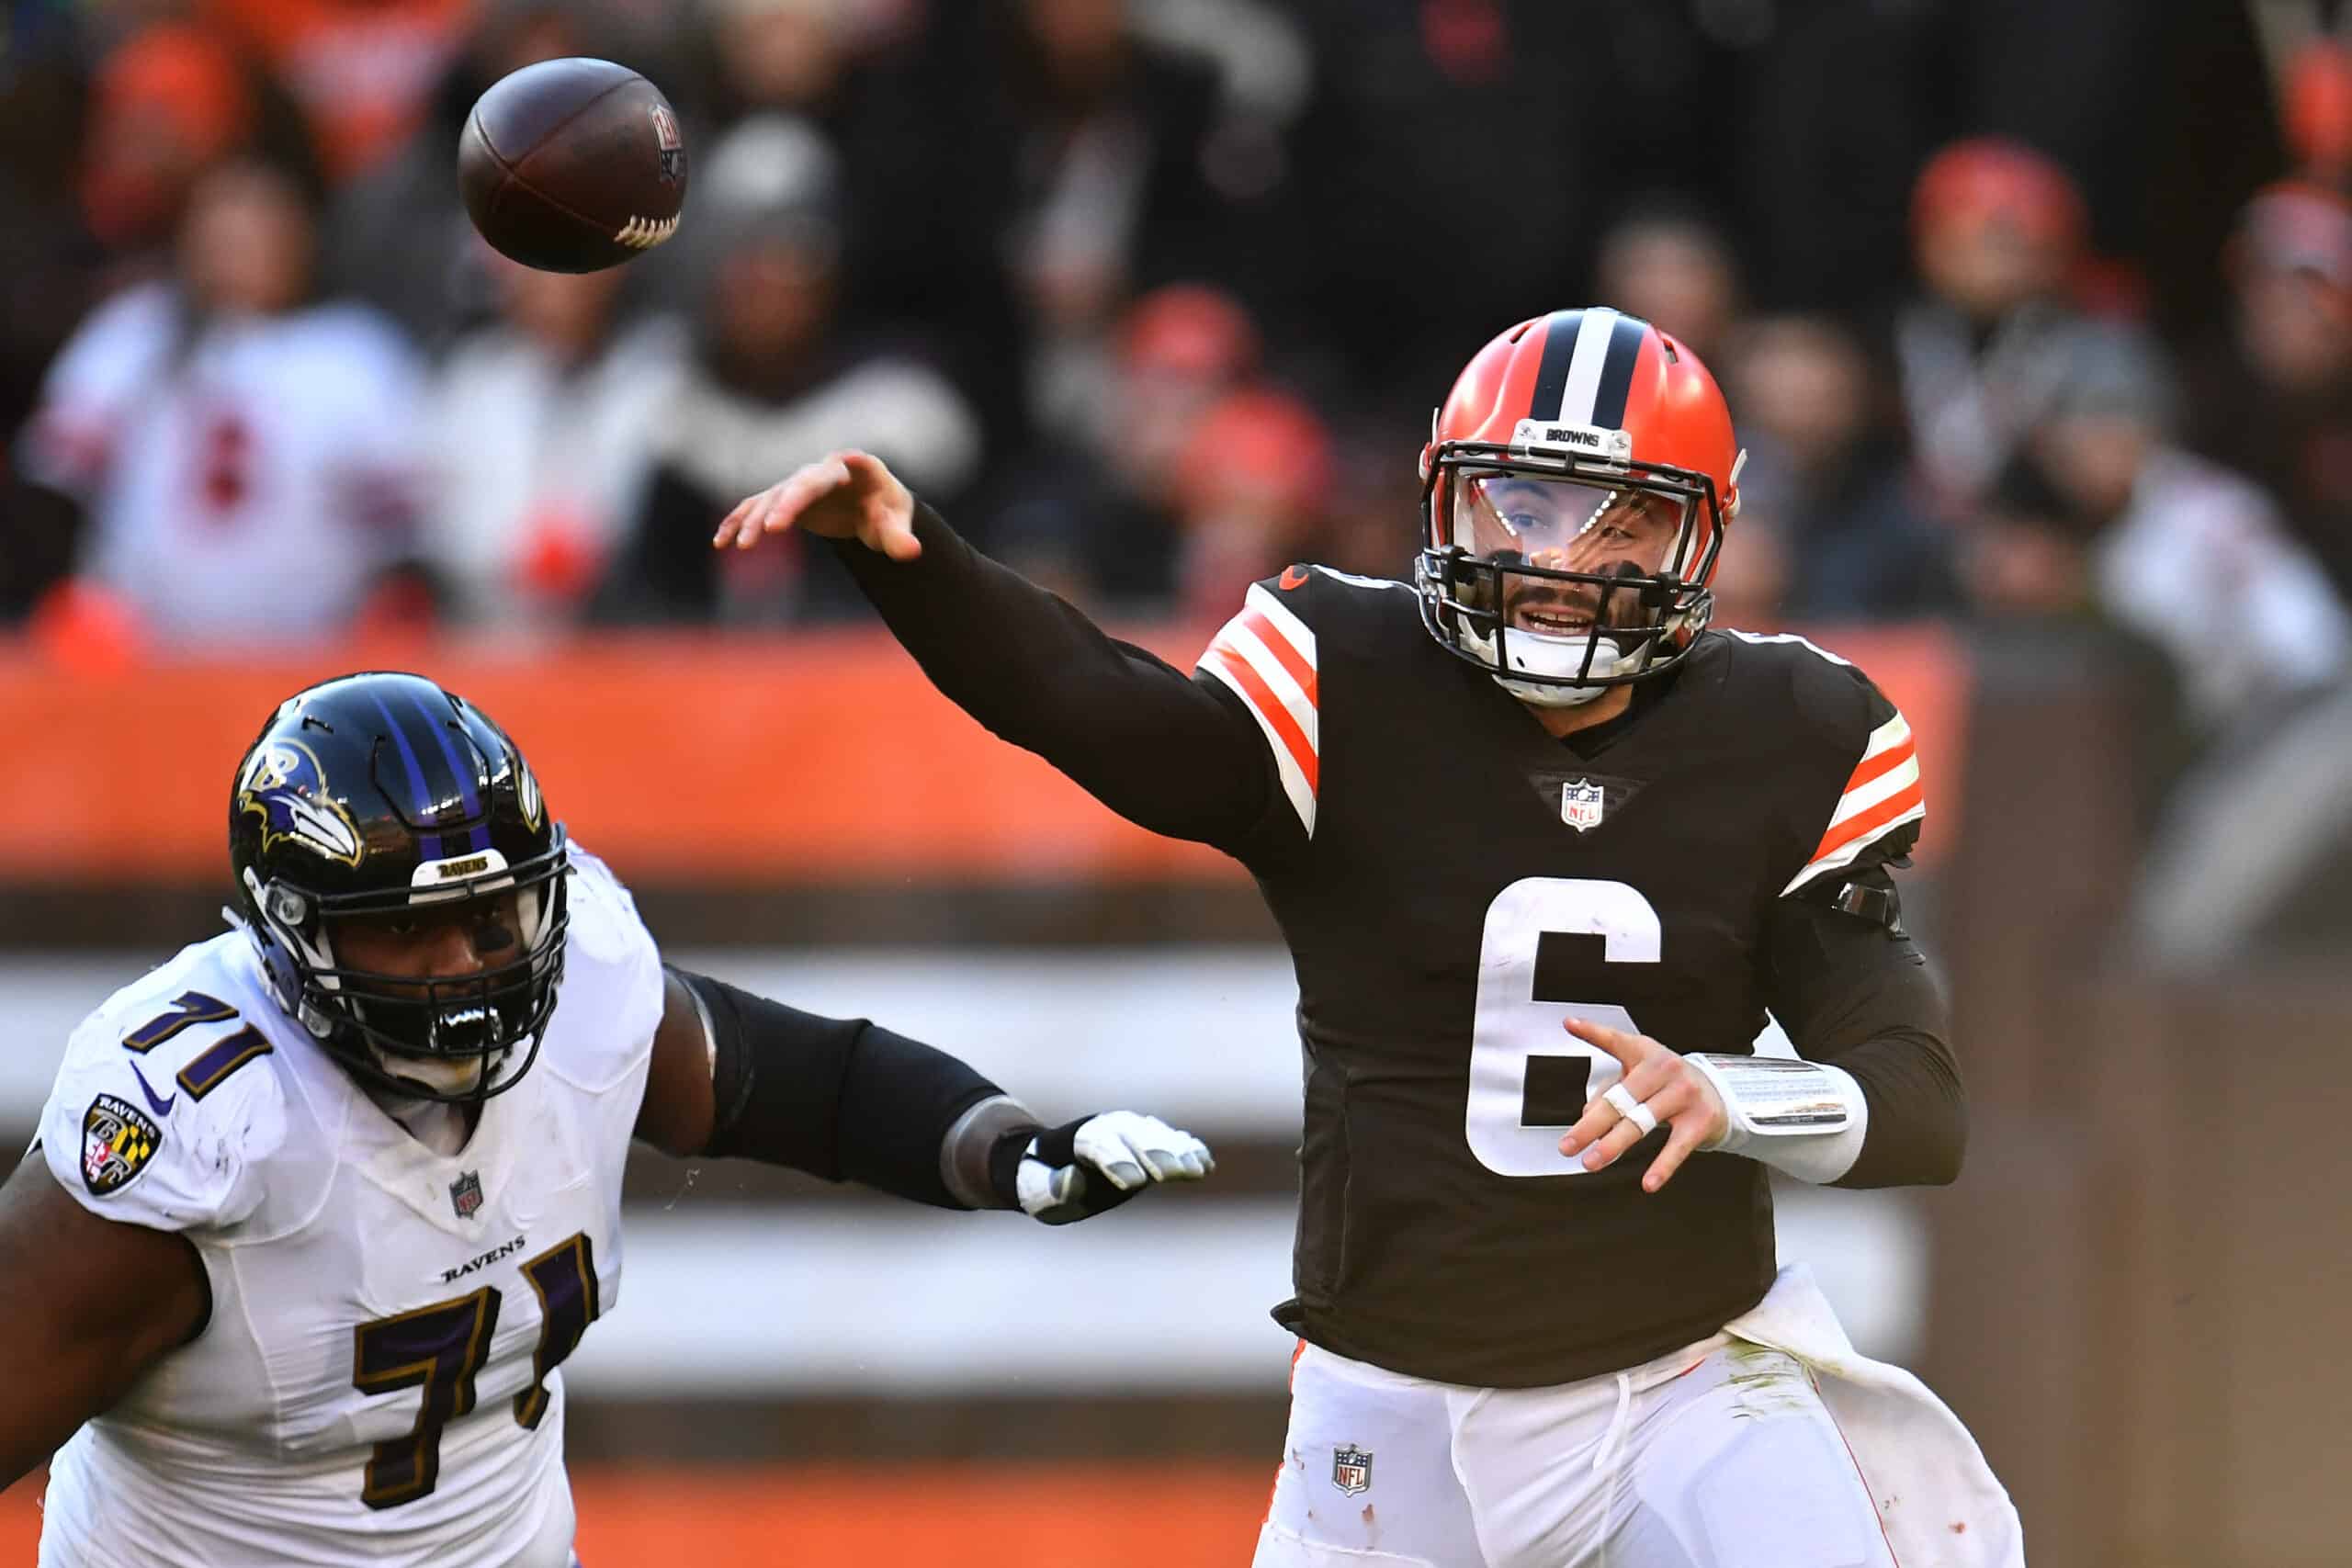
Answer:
[(840, 1098), (1158, 748), (1854, 990)]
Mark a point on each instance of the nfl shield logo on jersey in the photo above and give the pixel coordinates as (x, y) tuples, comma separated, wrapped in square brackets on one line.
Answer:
[(1351, 1470), (465, 1194), (1581, 803)]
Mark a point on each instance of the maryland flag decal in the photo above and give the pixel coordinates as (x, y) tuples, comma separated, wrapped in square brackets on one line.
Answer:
[(117, 1140)]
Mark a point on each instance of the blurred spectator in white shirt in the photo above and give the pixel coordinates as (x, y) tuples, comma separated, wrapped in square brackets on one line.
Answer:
[(542, 444), (246, 455), (2192, 555), (2255, 838), (2103, 514)]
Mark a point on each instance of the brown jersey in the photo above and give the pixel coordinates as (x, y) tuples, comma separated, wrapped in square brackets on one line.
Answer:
[(1453, 883)]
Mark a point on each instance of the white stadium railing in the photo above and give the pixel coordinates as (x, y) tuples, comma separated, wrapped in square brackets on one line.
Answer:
[(831, 1299)]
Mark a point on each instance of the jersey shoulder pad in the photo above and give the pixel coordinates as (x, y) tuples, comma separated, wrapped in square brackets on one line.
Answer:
[(609, 1003), (1273, 655), (1269, 657), (167, 1102), (1289, 622), (1860, 800), (1794, 682)]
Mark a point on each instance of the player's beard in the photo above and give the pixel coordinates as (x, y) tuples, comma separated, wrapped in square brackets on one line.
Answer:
[(1541, 605)]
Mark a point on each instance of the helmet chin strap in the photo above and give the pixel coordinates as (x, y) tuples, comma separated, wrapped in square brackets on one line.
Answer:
[(459, 1076), (1560, 660), (1544, 696)]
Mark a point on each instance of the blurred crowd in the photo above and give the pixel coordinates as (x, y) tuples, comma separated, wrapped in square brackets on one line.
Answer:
[(2025, 311)]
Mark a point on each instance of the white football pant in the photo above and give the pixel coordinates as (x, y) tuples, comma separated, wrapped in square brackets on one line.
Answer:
[(1718, 1456)]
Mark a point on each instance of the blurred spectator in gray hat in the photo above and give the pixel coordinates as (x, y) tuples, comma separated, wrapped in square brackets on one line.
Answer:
[(777, 377), (2193, 557)]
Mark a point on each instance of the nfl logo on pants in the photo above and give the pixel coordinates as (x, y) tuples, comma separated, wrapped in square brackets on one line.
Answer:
[(1351, 1470)]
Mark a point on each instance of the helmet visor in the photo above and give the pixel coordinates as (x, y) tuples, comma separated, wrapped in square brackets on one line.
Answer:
[(1572, 556), (1570, 524)]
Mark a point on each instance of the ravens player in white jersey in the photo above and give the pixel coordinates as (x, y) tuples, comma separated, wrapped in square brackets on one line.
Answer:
[(1546, 851), (319, 1207)]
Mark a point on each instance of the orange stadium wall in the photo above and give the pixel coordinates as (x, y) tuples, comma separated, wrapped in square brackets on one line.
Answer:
[(818, 757)]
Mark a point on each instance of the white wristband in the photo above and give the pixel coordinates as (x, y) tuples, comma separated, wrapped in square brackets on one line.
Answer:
[(1805, 1118)]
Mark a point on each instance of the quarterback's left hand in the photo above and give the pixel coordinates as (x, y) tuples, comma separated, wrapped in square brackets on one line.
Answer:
[(1077, 1170), (1662, 1089)]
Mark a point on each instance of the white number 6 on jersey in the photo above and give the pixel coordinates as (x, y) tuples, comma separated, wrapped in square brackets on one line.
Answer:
[(1512, 1026)]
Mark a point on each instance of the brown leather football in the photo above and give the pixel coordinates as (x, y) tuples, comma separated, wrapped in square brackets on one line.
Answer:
[(572, 165)]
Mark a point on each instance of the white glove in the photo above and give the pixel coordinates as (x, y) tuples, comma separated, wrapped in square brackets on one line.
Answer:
[(1076, 1171)]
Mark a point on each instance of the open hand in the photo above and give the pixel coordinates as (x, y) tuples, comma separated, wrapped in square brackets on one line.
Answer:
[(844, 495)]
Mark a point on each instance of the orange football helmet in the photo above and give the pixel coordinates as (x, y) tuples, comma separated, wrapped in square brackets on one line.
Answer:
[(1573, 495)]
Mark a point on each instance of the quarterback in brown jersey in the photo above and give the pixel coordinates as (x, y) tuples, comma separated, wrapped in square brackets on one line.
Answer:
[(1546, 849)]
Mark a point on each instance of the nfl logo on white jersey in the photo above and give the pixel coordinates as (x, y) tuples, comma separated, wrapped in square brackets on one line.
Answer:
[(1581, 803), (1351, 1470)]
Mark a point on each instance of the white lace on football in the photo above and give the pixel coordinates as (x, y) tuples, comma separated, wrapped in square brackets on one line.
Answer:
[(644, 234)]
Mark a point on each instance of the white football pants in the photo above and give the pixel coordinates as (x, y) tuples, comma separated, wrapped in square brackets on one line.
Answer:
[(1718, 1456)]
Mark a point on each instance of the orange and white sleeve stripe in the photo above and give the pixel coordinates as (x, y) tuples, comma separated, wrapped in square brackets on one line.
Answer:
[(1267, 655), (1881, 795)]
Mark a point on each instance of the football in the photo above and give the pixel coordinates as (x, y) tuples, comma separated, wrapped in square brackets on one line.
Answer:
[(572, 165)]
